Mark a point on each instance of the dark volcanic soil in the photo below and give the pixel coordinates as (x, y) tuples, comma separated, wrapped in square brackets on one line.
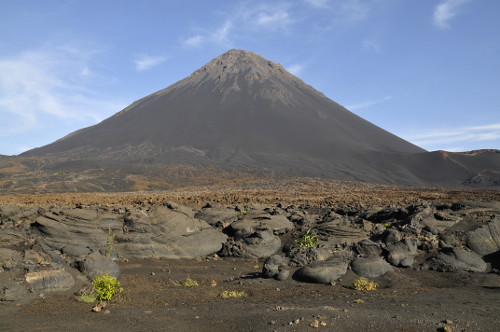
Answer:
[(153, 301)]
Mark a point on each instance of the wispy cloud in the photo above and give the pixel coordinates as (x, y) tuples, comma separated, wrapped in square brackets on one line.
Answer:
[(445, 11), (243, 19), (219, 36), (471, 134), (36, 86), (273, 19), (295, 69), (145, 62), (194, 41), (369, 103), (353, 10), (372, 46)]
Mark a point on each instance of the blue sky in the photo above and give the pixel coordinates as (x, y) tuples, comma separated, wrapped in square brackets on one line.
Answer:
[(425, 70)]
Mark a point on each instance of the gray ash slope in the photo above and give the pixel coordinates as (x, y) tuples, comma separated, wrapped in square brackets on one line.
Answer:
[(242, 112)]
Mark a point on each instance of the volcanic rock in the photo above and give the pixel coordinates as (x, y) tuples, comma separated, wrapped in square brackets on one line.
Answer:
[(50, 280), (457, 259), (276, 267), (325, 272), (95, 264), (370, 267), (485, 240)]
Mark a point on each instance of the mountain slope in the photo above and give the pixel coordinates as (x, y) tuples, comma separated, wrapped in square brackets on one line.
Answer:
[(237, 101), (241, 112)]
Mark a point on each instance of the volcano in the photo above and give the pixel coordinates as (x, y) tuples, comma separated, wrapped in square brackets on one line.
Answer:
[(241, 112)]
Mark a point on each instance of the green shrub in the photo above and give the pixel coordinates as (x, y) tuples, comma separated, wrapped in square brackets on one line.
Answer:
[(106, 286), (364, 284), (189, 283), (307, 240), (232, 294)]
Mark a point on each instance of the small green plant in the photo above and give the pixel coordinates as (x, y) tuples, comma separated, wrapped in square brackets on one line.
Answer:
[(308, 240), (359, 301), (189, 283), (109, 242), (106, 286), (244, 212), (364, 284), (232, 294), (87, 298), (387, 224)]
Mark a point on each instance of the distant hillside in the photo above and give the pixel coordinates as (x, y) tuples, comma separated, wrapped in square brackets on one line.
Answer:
[(243, 114)]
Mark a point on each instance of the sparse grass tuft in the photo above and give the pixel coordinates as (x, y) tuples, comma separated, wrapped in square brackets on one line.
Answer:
[(87, 298), (189, 283), (232, 294), (308, 240), (364, 284), (109, 242)]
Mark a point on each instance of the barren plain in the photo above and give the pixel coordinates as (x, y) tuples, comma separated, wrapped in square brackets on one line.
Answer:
[(414, 298)]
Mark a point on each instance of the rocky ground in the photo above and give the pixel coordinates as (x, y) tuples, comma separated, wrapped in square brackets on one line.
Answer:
[(435, 258)]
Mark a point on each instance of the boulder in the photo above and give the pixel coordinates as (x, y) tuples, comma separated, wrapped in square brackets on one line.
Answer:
[(370, 267), (392, 236), (12, 291), (277, 224), (307, 255), (402, 253), (340, 232), (95, 264), (368, 248), (50, 280), (325, 272), (260, 244), (218, 217), (169, 233), (485, 240), (457, 259), (9, 259), (276, 267), (70, 237)]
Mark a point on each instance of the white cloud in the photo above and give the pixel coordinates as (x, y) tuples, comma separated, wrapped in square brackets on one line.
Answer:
[(194, 41), (366, 104), (353, 10), (470, 134), (221, 35), (241, 20), (295, 69), (445, 11), (146, 62), (274, 20), (372, 45), (41, 85)]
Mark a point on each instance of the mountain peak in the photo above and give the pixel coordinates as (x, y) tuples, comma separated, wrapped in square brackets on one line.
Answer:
[(236, 62)]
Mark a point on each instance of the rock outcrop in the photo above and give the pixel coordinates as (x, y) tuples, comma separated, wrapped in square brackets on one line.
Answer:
[(55, 249)]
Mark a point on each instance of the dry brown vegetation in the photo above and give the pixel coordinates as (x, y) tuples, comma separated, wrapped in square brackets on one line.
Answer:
[(290, 191)]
